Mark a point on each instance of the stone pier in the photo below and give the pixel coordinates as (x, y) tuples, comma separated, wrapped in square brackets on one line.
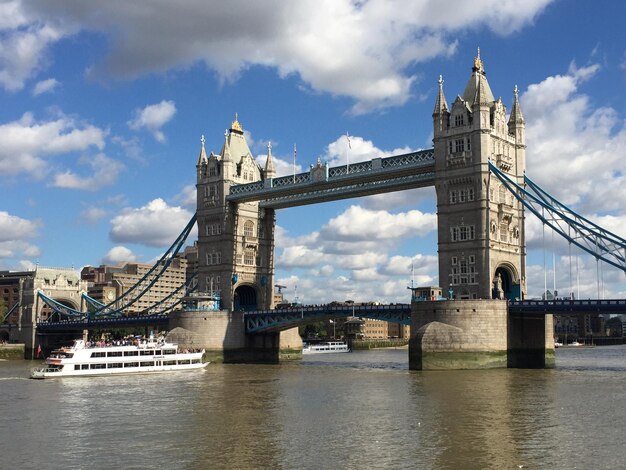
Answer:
[(477, 334), (223, 335)]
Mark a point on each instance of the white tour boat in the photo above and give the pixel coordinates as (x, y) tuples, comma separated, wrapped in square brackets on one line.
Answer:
[(327, 347), (139, 357)]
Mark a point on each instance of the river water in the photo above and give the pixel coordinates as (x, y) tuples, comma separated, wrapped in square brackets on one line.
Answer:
[(362, 410)]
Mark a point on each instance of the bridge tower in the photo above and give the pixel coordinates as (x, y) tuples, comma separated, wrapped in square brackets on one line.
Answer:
[(235, 241), (480, 224)]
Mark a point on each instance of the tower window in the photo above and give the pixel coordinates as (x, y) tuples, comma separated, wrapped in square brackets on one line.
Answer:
[(248, 229), (458, 120), (458, 145), (502, 195), (453, 197), (249, 258)]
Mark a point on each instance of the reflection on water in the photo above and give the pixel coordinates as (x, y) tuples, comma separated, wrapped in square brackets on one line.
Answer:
[(357, 410)]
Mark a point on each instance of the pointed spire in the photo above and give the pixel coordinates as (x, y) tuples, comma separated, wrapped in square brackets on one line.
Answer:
[(441, 104), (270, 172), (477, 90), (202, 159), (226, 149), (516, 111)]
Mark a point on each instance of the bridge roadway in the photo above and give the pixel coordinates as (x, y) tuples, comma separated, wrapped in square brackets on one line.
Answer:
[(322, 184), (566, 306), (285, 318)]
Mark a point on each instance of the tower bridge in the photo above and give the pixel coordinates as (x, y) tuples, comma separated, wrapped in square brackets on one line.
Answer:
[(477, 167)]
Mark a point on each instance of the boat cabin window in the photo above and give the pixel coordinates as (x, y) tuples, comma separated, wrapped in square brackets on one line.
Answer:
[(98, 354), (114, 365), (169, 363), (169, 351), (84, 366), (146, 364), (114, 353), (146, 353), (131, 364), (131, 353), (98, 366)]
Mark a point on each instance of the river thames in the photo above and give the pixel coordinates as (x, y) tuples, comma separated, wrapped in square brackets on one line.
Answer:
[(360, 410)]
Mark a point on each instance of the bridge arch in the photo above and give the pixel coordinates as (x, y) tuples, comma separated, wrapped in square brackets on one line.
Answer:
[(506, 284), (46, 311), (245, 297)]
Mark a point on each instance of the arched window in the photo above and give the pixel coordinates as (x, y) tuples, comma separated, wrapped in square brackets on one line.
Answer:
[(502, 195), (248, 229)]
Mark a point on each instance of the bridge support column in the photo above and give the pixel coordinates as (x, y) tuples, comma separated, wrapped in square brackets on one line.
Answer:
[(458, 334), (223, 335), (531, 341)]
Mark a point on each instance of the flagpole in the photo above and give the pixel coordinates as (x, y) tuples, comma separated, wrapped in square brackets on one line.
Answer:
[(348, 153), (294, 163)]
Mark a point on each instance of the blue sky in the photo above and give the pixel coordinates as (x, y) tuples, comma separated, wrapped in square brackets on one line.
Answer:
[(104, 104)]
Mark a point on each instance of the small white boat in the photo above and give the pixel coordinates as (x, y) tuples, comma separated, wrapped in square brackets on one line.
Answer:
[(140, 357), (327, 347)]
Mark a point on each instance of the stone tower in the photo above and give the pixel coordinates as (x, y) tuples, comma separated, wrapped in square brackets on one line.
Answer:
[(480, 224), (235, 241)]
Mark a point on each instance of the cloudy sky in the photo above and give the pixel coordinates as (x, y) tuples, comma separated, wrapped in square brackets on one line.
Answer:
[(104, 104)]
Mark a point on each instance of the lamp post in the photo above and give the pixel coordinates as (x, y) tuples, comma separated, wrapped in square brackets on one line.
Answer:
[(333, 322)]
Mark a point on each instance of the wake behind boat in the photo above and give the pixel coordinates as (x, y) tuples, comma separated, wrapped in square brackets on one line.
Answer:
[(140, 357), (327, 347)]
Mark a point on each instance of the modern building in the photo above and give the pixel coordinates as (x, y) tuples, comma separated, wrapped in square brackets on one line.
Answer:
[(106, 283)]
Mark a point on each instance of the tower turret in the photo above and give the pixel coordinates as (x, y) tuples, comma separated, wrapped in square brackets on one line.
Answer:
[(441, 113), (269, 172)]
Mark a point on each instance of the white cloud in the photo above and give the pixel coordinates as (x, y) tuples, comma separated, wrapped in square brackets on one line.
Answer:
[(13, 227), (187, 197), (26, 143), (105, 171), (360, 224), (574, 151), (153, 117), (155, 224), (119, 255), (14, 231), (359, 49), (22, 51), (355, 254), (45, 86)]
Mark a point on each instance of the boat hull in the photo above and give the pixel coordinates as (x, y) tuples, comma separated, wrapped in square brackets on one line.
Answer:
[(38, 373)]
